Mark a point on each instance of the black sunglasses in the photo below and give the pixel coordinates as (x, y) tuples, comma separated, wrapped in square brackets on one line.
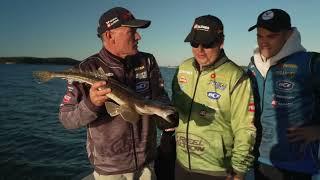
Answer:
[(205, 46)]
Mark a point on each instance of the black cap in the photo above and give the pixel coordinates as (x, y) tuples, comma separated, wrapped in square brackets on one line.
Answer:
[(205, 30), (117, 17), (274, 20)]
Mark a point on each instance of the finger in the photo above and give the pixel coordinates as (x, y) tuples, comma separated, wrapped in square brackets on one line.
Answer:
[(98, 84), (103, 92)]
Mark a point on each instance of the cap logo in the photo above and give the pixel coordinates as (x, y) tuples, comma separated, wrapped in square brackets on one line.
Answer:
[(112, 22), (201, 27), (267, 15)]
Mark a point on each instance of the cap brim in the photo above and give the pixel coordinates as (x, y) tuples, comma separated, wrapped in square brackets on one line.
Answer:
[(200, 37), (137, 23), (252, 28), (188, 38)]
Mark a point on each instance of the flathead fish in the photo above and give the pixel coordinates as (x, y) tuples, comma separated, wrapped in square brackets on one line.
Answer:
[(127, 103)]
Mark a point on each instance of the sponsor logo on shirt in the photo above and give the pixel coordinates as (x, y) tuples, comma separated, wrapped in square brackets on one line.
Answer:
[(195, 144), (70, 88), (251, 107), (139, 68), (66, 98), (142, 75), (213, 95), (213, 75), (218, 85), (142, 86), (285, 73), (203, 113), (183, 79), (185, 72), (285, 85)]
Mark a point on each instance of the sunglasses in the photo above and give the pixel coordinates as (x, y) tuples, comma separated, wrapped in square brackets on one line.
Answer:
[(204, 45)]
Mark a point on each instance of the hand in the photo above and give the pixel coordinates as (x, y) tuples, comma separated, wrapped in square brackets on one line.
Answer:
[(305, 134), (234, 177), (98, 93)]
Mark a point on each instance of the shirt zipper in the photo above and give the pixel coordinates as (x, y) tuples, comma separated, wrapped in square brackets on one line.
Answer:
[(187, 134)]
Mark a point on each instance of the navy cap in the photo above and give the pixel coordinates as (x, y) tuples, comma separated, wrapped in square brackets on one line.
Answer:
[(274, 20), (117, 17)]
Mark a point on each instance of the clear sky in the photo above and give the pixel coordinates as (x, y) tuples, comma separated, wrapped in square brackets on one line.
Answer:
[(67, 28)]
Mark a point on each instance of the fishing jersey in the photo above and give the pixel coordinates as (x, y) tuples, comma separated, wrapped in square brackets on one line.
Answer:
[(114, 145), (288, 97), (216, 133)]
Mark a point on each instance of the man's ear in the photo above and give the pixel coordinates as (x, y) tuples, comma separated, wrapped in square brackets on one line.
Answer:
[(107, 35)]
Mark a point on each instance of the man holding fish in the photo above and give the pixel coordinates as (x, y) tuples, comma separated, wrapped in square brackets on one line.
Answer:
[(121, 140)]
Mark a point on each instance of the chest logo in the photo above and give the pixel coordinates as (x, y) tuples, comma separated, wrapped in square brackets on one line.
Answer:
[(285, 85), (142, 75), (213, 95), (183, 79), (142, 86)]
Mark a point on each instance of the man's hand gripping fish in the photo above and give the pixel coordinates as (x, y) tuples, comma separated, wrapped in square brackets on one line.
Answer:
[(128, 104)]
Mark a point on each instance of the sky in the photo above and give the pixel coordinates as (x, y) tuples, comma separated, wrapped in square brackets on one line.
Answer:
[(67, 28)]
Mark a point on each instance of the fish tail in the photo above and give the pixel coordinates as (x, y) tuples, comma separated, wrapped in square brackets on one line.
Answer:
[(42, 76)]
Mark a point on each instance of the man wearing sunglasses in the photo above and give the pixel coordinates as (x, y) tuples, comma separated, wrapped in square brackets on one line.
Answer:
[(213, 95)]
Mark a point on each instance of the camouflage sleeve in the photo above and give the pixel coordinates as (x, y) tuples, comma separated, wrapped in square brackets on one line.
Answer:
[(242, 123), (76, 109)]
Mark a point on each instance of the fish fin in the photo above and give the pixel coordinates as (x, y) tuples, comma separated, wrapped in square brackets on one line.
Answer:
[(129, 115), (101, 71), (112, 108)]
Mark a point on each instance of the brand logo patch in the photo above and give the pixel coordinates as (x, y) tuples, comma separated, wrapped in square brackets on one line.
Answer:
[(213, 95), (142, 75), (183, 79), (139, 68), (195, 144), (285, 85), (218, 85), (66, 99), (142, 86), (267, 15), (112, 22), (201, 27)]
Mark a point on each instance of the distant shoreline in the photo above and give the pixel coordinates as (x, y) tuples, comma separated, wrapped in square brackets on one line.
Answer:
[(36, 60)]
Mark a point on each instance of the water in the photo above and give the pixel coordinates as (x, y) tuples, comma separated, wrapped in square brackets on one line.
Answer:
[(33, 143)]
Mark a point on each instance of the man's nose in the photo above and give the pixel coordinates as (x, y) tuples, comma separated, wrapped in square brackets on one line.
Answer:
[(137, 36)]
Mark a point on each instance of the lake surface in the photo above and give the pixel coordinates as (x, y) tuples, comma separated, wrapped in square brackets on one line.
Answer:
[(33, 143)]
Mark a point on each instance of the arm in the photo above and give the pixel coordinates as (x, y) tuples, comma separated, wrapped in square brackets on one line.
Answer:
[(242, 123), (80, 107), (308, 134)]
